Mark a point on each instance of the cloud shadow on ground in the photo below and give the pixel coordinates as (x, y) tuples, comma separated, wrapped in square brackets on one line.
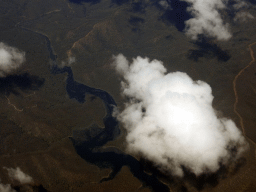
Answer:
[(15, 83), (177, 15), (207, 49)]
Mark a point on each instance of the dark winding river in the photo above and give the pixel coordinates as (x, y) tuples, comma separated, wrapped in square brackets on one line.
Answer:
[(88, 142)]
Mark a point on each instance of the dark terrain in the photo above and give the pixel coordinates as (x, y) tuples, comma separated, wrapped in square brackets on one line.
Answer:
[(57, 125)]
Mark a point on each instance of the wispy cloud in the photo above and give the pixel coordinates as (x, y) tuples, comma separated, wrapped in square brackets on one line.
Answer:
[(207, 19), (18, 175), (6, 188), (241, 15), (68, 62)]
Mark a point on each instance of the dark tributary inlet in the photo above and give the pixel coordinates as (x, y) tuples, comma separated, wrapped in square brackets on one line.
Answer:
[(87, 142)]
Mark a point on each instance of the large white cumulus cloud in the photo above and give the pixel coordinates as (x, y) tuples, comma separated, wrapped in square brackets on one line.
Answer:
[(10, 59), (170, 119)]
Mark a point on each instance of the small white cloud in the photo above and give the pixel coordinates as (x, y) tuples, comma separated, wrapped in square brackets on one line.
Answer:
[(69, 62), (10, 59), (6, 188), (164, 4), (206, 19), (18, 175)]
